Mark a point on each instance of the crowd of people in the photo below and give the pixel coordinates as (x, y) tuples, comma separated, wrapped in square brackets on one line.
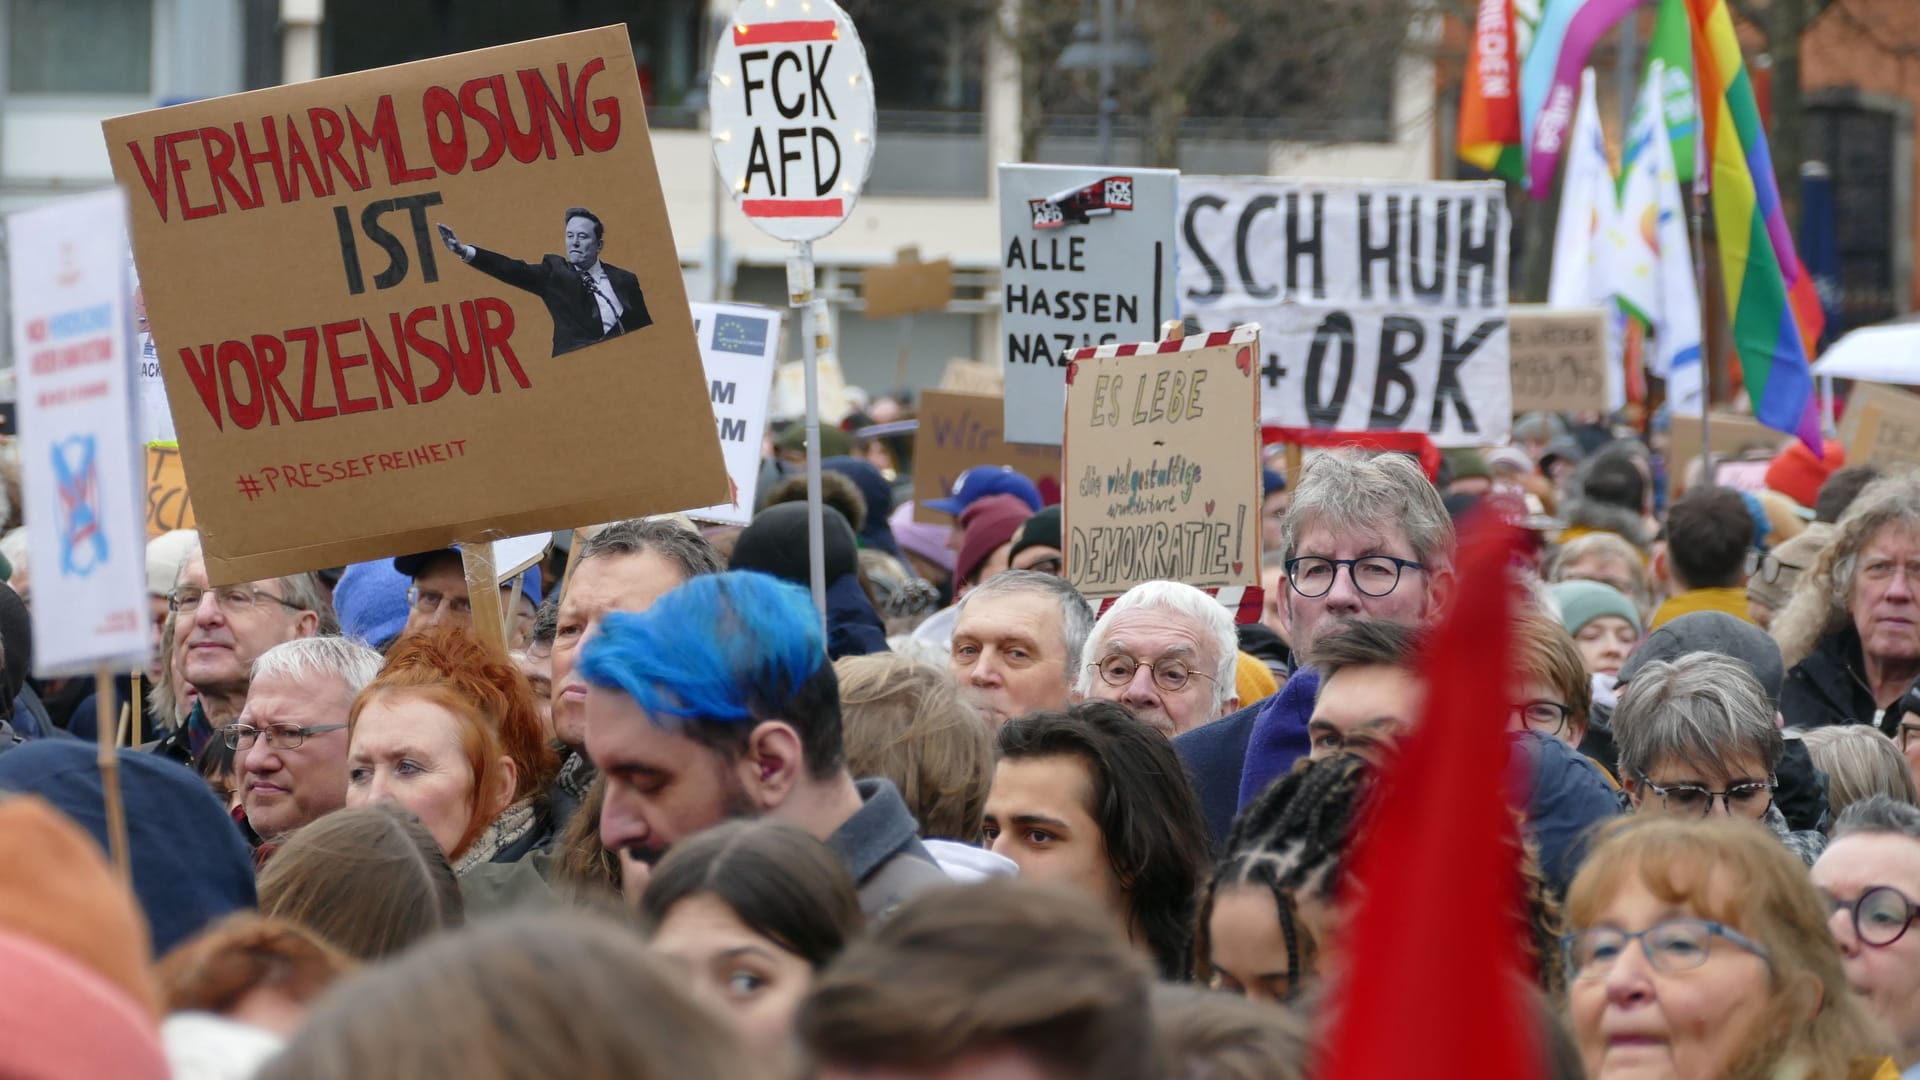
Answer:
[(972, 823)]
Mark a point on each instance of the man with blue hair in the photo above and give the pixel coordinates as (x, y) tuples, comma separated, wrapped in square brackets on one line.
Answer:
[(718, 703)]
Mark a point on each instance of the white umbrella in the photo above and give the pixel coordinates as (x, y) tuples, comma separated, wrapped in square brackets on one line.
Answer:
[(1887, 353)]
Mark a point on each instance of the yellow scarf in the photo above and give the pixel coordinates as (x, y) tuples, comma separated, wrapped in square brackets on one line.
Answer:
[(1731, 599)]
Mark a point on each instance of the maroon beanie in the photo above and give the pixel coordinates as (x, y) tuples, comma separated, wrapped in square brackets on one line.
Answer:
[(984, 526)]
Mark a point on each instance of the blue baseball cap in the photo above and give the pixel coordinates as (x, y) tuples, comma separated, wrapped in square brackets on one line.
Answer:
[(411, 565), (984, 480), (371, 601)]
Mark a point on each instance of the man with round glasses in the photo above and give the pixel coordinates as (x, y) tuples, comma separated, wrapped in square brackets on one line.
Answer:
[(1870, 877), (1166, 651), (290, 742), (1697, 738)]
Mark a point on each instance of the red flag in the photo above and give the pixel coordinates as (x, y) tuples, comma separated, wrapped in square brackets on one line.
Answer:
[(1433, 981), (1490, 92)]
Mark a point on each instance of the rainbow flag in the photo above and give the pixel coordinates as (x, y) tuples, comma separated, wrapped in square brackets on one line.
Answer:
[(1771, 300)]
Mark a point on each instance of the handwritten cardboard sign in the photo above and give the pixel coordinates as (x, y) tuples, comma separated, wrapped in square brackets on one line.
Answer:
[(907, 287), (959, 431), (1886, 437), (420, 304), (1163, 464), (1382, 305), (1087, 258), (1558, 357), (1732, 434), (1891, 399), (72, 343), (168, 506), (739, 344)]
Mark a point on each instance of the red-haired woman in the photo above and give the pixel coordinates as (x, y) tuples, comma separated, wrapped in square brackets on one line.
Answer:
[(449, 731)]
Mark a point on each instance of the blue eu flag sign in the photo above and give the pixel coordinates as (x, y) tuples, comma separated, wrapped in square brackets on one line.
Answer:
[(738, 334), (1820, 243)]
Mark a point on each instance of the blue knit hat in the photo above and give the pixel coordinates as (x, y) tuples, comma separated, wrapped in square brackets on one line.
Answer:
[(371, 601), (1581, 602)]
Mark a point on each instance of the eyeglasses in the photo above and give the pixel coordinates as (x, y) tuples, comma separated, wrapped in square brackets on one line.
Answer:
[(426, 602), (1168, 675), (1880, 915), (279, 736), (231, 598), (1546, 717), (1670, 947), (1767, 567), (1374, 575), (1750, 799)]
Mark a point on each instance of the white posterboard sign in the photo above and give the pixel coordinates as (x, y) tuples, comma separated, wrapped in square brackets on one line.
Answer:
[(792, 115), (1086, 259), (73, 358), (156, 417), (739, 345), (1382, 305)]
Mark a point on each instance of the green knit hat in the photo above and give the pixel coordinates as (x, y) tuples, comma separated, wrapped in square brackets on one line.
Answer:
[(1581, 602)]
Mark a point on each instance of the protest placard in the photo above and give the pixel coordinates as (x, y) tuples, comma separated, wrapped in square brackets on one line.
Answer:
[(1087, 258), (960, 430), (907, 287), (359, 361), (792, 115), (1891, 399), (156, 419), (1558, 357), (1886, 436), (1382, 306), (168, 506), (1162, 464), (739, 344), (1732, 434), (72, 346), (973, 377)]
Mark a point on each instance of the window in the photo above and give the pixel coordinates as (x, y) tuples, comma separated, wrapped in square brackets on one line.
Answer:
[(79, 46)]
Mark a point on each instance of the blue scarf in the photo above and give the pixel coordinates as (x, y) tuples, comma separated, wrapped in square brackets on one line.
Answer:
[(1279, 735)]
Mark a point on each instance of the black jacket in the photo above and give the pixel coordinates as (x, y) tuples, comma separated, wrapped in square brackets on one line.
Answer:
[(576, 314), (1215, 754), (1827, 687)]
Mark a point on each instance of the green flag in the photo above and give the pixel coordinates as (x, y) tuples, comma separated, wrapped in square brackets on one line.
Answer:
[(1672, 45)]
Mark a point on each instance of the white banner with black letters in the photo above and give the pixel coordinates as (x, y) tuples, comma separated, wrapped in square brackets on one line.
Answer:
[(1382, 306)]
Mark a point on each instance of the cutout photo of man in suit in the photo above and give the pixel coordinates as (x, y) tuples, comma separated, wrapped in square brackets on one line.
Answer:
[(589, 300)]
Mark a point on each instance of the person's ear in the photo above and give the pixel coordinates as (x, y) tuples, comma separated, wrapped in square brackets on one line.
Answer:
[(307, 625), (1231, 705), (506, 780), (1631, 785), (773, 764), (1440, 586)]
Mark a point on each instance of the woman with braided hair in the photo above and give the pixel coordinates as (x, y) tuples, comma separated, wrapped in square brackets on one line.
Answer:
[(1271, 910)]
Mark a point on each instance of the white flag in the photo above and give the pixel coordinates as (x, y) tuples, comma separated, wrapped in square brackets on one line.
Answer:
[(1587, 206), (1653, 268)]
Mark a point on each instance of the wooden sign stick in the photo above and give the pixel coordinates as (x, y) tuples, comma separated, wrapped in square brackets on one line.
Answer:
[(109, 761), (483, 591)]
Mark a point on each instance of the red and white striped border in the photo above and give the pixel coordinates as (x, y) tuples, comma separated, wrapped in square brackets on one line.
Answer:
[(1244, 601), (1243, 334)]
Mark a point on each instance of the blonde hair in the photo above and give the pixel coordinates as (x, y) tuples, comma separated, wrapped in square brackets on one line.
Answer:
[(1859, 762), (1818, 605), (1605, 545), (904, 720), (1548, 653), (1739, 874)]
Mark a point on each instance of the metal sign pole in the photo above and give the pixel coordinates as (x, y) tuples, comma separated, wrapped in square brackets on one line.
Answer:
[(812, 327)]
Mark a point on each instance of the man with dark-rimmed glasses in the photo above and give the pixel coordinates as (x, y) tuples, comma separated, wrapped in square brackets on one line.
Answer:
[(290, 742), (1166, 651), (1870, 877)]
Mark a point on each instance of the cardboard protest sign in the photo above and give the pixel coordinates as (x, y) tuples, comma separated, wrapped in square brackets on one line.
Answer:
[(1087, 258), (73, 358), (907, 287), (958, 431), (416, 305), (1558, 357), (1382, 306), (1891, 399), (1888, 437), (1732, 434), (973, 377), (739, 344), (168, 506), (1162, 466), (792, 115)]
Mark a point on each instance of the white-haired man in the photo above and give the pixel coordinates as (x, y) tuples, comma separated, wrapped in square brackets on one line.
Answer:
[(290, 741), (1365, 537), (1167, 652)]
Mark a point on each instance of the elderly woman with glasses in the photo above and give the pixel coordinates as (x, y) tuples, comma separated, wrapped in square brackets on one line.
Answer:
[(1696, 738), (1870, 880), (1850, 633), (1697, 948)]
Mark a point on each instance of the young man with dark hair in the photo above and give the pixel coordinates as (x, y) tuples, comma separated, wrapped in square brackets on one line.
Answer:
[(1369, 693), (1005, 979), (1094, 799), (718, 703), (1709, 531)]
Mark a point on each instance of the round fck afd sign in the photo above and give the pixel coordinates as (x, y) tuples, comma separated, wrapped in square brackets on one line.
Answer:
[(792, 106)]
